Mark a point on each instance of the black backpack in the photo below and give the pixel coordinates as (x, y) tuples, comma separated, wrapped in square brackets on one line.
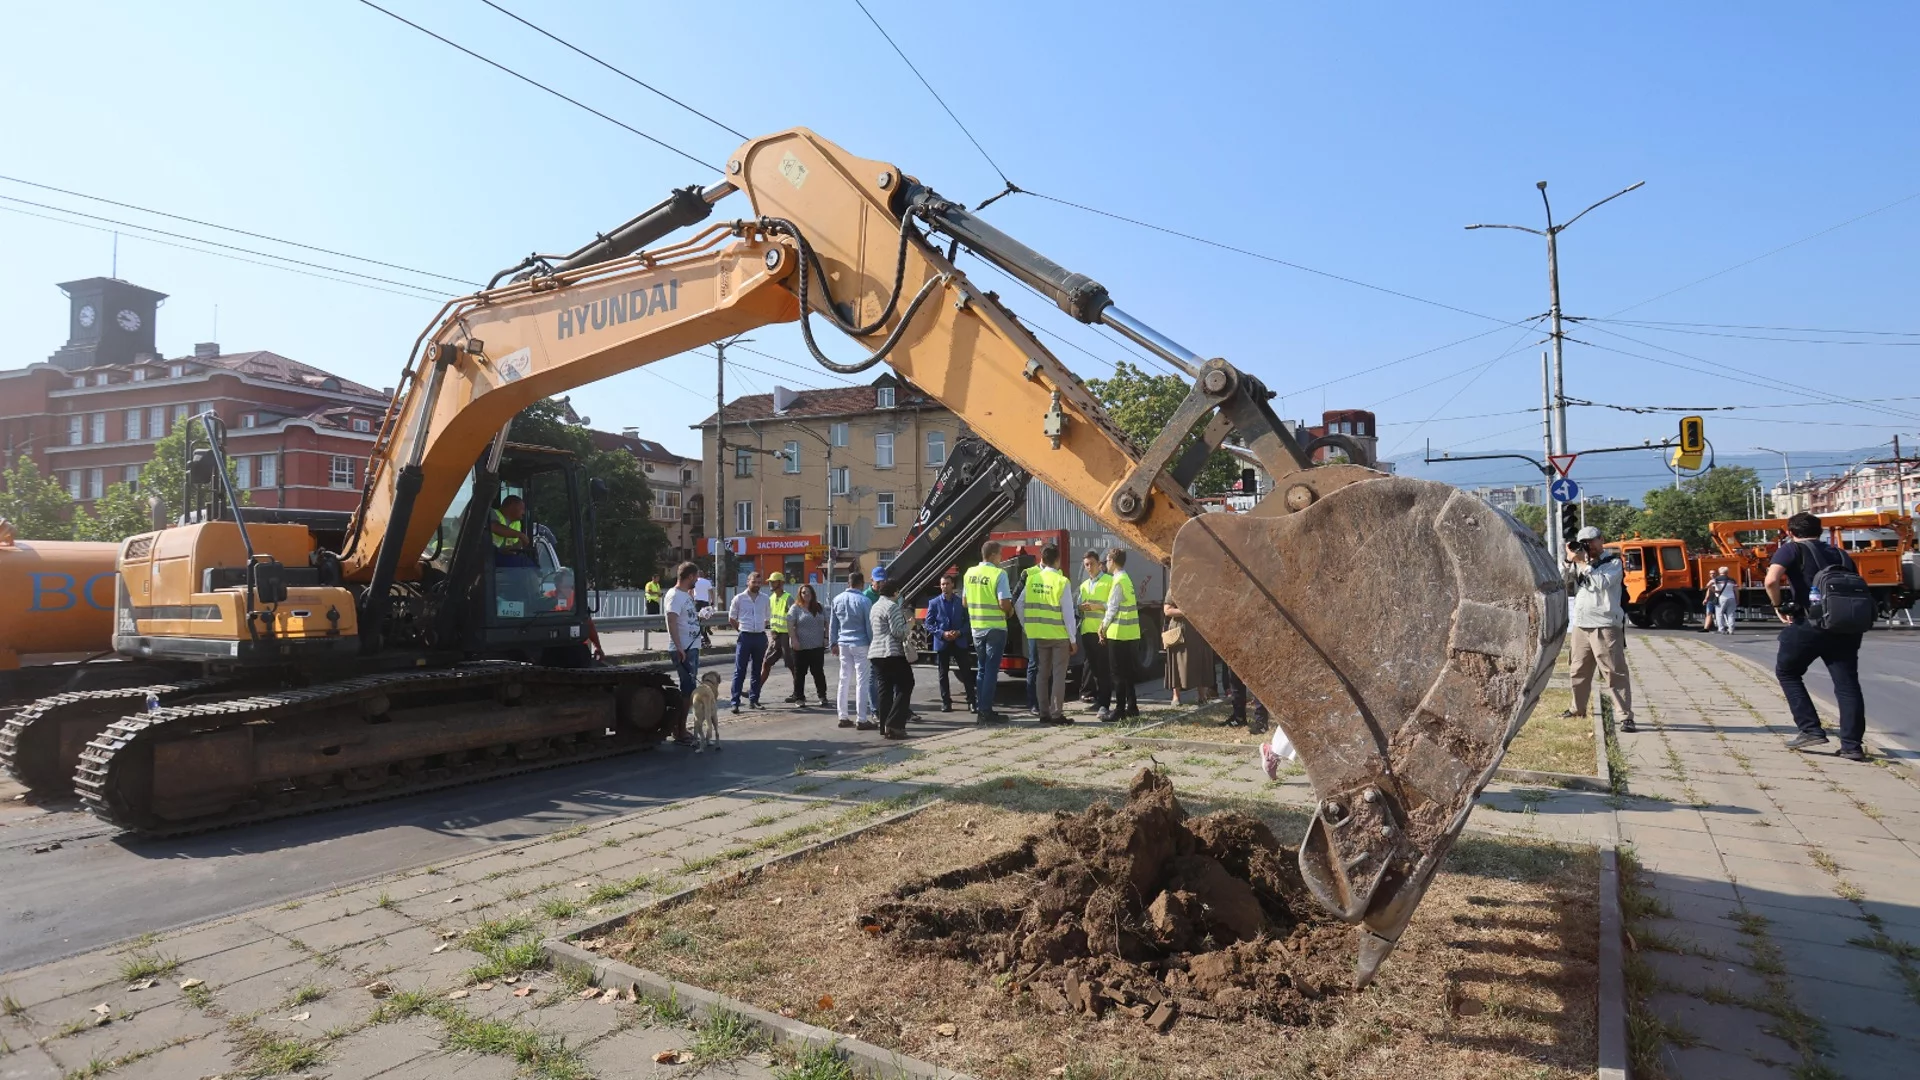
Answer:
[(1846, 605)]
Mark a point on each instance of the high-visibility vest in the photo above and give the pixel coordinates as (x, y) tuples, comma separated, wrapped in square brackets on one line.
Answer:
[(653, 592), (501, 519), (1044, 591), (1095, 592), (1126, 623), (777, 622), (982, 589)]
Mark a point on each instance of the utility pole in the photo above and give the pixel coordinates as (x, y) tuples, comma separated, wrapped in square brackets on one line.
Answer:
[(1899, 474), (719, 461), (1786, 475), (1546, 410), (1552, 234)]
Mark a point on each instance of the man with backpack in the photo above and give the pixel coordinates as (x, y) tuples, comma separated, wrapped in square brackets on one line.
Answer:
[(1830, 610)]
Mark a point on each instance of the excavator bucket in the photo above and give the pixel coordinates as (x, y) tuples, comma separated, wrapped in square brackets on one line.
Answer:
[(1400, 632)]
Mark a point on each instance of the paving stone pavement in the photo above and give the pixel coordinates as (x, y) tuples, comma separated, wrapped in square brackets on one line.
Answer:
[(1776, 911), (261, 992)]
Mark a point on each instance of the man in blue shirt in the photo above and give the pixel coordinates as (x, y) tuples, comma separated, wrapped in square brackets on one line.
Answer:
[(848, 635), (952, 639)]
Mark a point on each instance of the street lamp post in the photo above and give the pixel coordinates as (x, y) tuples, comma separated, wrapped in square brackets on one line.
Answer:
[(1786, 474), (828, 443)]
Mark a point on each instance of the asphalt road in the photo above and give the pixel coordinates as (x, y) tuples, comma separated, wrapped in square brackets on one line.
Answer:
[(1889, 677), (101, 886)]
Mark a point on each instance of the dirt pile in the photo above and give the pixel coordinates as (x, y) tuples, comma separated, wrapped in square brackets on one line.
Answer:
[(1137, 909)]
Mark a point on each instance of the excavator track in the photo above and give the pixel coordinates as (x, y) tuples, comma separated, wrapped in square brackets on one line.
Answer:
[(40, 743), (210, 765)]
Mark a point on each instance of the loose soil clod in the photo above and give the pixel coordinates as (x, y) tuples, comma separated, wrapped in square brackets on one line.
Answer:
[(1135, 908)]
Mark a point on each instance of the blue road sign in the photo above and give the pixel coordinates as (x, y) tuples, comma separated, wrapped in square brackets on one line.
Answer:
[(1564, 490)]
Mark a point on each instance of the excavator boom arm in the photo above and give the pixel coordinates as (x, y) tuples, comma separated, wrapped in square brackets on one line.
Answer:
[(1399, 629)]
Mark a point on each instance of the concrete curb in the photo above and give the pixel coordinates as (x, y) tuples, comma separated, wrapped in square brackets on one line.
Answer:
[(866, 1059), (1613, 980), (1602, 765)]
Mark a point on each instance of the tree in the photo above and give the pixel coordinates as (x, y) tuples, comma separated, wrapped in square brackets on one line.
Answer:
[(1142, 405), (626, 543), (118, 514), (166, 474), (36, 505), (1683, 513), (1533, 516)]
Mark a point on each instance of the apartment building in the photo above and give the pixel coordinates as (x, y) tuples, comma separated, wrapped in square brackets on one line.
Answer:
[(1885, 485), (678, 506), (91, 412), (808, 472)]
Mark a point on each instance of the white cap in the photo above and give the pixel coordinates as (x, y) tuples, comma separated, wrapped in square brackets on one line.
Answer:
[(1586, 534)]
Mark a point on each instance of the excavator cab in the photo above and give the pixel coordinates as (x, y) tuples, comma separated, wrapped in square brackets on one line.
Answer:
[(514, 596)]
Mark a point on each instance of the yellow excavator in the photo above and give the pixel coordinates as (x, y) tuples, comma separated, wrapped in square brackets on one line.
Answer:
[(1400, 630)]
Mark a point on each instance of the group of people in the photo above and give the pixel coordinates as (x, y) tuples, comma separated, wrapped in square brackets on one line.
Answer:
[(1596, 583)]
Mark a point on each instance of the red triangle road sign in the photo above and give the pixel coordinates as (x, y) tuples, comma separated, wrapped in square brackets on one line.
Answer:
[(1561, 463)]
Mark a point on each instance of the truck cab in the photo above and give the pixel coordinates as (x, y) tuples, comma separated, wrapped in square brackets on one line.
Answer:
[(1662, 584)]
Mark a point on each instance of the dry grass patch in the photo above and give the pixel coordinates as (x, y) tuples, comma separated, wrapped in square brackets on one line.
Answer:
[(1495, 977), (1552, 743)]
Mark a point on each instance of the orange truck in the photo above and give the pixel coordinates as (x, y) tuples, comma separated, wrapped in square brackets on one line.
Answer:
[(1665, 584)]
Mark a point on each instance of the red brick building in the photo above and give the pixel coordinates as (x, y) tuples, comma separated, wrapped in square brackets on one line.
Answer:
[(90, 413)]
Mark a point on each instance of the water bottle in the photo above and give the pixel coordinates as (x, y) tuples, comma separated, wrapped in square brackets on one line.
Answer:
[(153, 701)]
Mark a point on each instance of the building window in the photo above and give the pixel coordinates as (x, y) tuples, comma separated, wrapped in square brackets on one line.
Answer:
[(202, 408), (340, 472), (742, 461), (883, 510), (133, 424), (936, 449), (840, 480), (99, 427), (76, 430), (176, 370), (156, 421), (179, 416), (840, 537), (883, 450), (73, 484), (269, 470), (139, 374), (666, 505), (79, 382), (363, 426), (837, 433), (99, 378), (743, 518), (883, 397), (791, 455), (790, 513), (243, 473), (96, 483), (132, 476), (686, 477), (246, 420)]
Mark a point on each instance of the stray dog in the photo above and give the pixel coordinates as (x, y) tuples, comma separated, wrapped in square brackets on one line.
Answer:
[(706, 712)]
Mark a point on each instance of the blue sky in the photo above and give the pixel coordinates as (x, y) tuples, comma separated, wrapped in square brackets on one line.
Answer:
[(1353, 139)]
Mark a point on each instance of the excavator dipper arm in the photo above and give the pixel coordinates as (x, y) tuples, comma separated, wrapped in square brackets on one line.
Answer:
[(1399, 629)]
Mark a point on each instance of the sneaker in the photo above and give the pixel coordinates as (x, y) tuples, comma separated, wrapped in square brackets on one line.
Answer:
[(1853, 753), (736, 710), (756, 705), (946, 706), (893, 733), (866, 725), (1628, 727), (1802, 741), (1568, 714), (844, 722), (1105, 716)]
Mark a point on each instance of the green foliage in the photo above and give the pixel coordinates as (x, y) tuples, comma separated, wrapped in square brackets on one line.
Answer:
[(166, 474), (1683, 512), (118, 514), (627, 545), (35, 504), (1143, 404), (1533, 516)]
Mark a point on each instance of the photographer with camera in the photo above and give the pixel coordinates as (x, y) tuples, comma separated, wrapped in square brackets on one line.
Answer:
[(1596, 580), (1830, 610)]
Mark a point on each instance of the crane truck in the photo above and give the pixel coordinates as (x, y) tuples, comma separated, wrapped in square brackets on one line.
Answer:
[(400, 648)]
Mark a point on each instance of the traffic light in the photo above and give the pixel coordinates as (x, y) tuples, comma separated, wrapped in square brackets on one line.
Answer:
[(1569, 522), (1693, 444)]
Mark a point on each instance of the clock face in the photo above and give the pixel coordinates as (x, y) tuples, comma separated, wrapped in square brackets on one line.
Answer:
[(128, 321), (86, 315)]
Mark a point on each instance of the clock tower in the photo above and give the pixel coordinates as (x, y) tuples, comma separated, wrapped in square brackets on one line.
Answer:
[(111, 322)]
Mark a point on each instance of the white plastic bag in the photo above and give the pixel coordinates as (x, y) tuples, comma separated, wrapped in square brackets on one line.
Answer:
[(1279, 749)]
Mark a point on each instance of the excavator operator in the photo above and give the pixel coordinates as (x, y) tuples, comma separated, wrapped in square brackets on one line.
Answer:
[(509, 530)]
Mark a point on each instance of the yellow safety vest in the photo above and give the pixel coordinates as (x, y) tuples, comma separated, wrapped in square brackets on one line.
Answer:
[(777, 622), (1126, 623), (1044, 590), (501, 519), (1095, 592), (982, 589), (653, 592)]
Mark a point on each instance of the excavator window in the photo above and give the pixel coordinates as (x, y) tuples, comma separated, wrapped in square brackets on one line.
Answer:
[(1631, 557), (440, 548), (1673, 557), (541, 580)]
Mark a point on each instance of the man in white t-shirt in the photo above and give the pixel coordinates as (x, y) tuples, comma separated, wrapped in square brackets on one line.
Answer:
[(683, 636)]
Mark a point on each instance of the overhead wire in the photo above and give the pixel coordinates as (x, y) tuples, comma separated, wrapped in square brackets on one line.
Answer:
[(936, 94), (1749, 326), (531, 81), (1483, 369), (610, 67), (232, 229), (1760, 337), (428, 298)]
